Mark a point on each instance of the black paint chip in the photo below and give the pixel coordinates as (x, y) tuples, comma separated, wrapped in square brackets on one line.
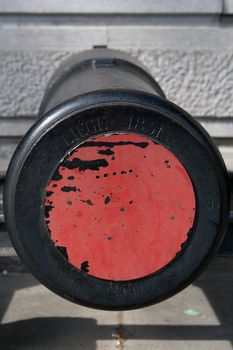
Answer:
[(49, 193), (63, 251), (47, 210), (107, 200), (69, 189), (113, 144), (85, 266), (107, 152), (88, 201), (82, 165), (57, 176)]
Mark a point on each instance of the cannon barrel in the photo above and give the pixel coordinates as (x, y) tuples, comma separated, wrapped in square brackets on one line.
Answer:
[(116, 198)]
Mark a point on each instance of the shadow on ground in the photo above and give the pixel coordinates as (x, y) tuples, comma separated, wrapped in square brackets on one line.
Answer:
[(83, 333)]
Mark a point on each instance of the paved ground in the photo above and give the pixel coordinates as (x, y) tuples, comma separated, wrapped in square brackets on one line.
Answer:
[(201, 317)]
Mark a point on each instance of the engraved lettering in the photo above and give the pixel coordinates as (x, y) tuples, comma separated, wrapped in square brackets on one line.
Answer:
[(101, 124), (157, 132), (130, 122), (87, 128), (68, 136)]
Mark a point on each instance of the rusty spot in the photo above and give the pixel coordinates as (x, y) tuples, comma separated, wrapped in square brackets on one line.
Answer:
[(120, 334)]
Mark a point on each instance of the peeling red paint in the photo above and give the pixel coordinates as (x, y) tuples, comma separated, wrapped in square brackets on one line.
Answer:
[(122, 207)]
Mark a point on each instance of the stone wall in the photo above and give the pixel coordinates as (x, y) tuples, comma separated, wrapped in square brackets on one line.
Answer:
[(187, 46)]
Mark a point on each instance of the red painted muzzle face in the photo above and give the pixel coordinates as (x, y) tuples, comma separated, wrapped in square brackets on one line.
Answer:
[(120, 207)]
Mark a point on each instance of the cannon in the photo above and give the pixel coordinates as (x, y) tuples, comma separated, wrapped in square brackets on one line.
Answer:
[(116, 198)]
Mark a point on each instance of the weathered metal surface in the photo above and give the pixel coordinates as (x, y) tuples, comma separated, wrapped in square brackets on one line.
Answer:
[(120, 207)]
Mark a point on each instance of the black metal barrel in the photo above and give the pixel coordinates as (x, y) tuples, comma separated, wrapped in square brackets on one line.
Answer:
[(116, 198)]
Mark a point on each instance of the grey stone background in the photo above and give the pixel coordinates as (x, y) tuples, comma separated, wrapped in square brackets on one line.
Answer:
[(187, 46)]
